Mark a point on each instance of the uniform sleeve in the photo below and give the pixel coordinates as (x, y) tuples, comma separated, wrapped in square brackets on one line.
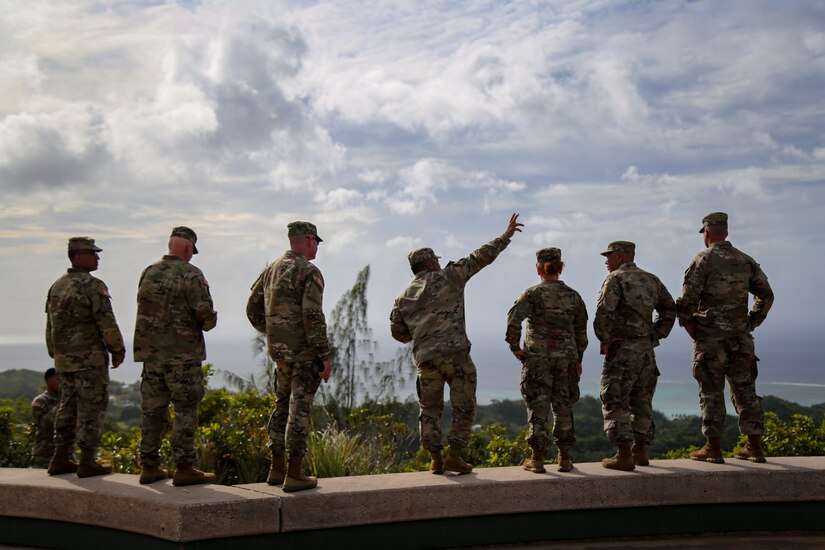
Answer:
[(49, 340), (315, 325), (398, 327), (200, 301), (255, 305), (515, 317), (38, 411), (688, 304), (580, 327), (101, 302), (461, 271), (763, 297), (609, 298), (665, 314)]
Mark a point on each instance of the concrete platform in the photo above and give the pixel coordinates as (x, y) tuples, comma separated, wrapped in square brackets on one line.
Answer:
[(418, 510)]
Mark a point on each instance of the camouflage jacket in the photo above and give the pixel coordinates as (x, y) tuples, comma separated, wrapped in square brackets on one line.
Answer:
[(44, 410), (628, 297), (174, 308), (286, 304), (715, 292), (556, 321), (430, 311), (81, 330)]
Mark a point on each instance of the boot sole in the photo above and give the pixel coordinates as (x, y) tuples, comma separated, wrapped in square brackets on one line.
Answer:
[(758, 460), (189, 483), (275, 481)]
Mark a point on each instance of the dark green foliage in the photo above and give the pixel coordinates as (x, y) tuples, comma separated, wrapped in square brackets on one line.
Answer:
[(16, 383), (16, 433)]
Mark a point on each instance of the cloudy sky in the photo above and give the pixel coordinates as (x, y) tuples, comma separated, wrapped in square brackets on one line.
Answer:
[(394, 125)]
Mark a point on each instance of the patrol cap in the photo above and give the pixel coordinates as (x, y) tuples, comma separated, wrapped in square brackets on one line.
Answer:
[(186, 233), (714, 218), (625, 247), (77, 244), (548, 254), (420, 255), (295, 229)]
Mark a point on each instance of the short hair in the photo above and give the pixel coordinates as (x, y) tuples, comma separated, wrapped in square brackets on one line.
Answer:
[(717, 229), (49, 373)]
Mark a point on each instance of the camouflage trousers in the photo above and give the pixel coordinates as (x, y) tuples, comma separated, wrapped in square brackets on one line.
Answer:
[(84, 396), (289, 423), (628, 382), (42, 453), (715, 359), (547, 384), (459, 372), (181, 384)]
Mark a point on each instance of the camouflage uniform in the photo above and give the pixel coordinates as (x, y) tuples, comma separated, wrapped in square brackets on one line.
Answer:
[(715, 298), (174, 309), (430, 313), (554, 345), (44, 410), (286, 304), (624, 324), (81, 332)]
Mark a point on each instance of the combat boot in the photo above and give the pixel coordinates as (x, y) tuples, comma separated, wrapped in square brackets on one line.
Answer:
[(535, 463), (88, 466), (565, 464), (639, 451), (437, 462), (752, 450), (151, 474), (277, 470), (454, 462), (711, 452), (622, 460), (60, 463), (295, 478), (186, 474)]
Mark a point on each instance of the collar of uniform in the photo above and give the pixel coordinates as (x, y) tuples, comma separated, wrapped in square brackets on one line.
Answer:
[(720, 243), (76, 270), (628, 265), (170, 258)]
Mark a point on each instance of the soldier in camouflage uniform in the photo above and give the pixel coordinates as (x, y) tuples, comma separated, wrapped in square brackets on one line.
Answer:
[(81, 333), (713, 309), (44, 409), (628, 334), (551, 358), (430, 313), (286, 304), (174, 308)]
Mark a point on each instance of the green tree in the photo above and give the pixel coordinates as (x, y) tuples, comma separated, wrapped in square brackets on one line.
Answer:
[(357, 377)]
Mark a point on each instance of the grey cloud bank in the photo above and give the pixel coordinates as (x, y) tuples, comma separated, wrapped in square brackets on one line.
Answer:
[(405, 125)]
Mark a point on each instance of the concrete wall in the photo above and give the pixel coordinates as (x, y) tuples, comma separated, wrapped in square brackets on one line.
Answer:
[(417, 510)]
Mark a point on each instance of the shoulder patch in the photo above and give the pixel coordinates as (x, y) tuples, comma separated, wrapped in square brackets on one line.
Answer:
[(105, 292), (318, 280)]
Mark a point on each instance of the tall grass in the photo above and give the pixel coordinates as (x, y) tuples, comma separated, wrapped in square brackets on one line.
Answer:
[(333, 452)]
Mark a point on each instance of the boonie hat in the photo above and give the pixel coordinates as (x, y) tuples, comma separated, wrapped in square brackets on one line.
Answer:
[(625, 247), (548, 254), (714, 218), (421, 255), (83, 243), (186, 233), (295, 229)]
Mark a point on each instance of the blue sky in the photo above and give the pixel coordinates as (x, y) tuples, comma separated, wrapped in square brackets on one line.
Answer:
[(404, 124)]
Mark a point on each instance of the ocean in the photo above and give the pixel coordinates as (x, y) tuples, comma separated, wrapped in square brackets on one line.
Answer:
[(786, 370)]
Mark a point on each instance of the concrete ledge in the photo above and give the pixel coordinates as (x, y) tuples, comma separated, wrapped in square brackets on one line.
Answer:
[(418, 510), (388, 498), (119, 502)]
